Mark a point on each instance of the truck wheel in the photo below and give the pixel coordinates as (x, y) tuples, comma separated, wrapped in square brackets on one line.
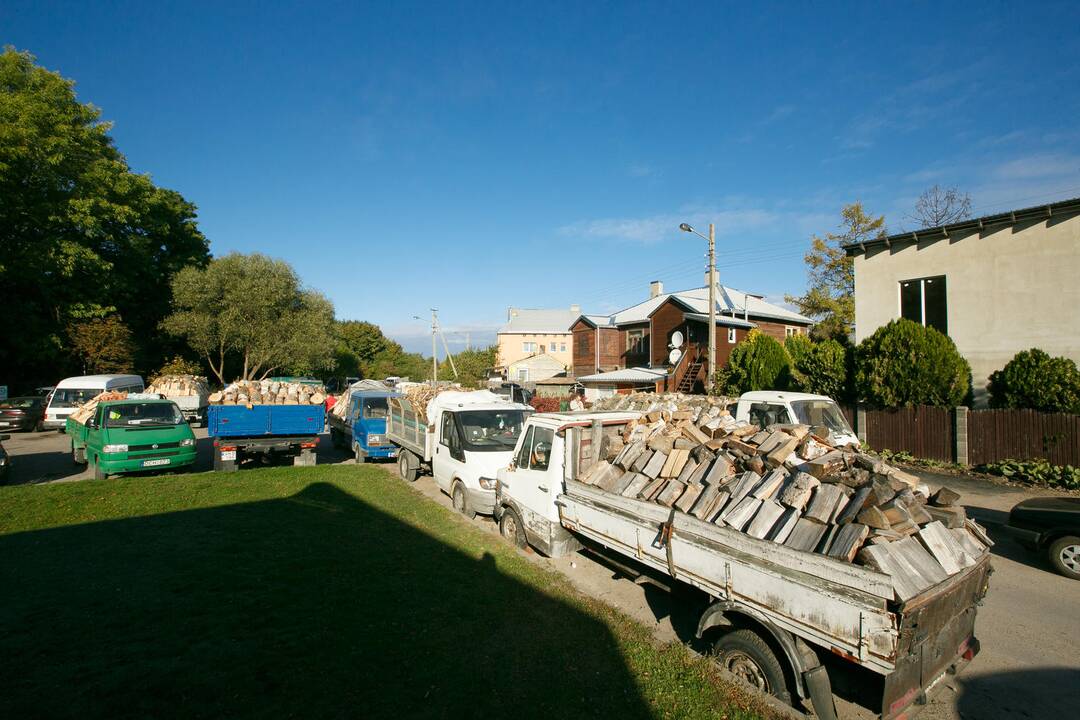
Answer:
[(39, 426), (461, 501), (78, 455), (511, 528), (358, 453), (1065, 556), (406, 469), (95, 470), (747, 656)]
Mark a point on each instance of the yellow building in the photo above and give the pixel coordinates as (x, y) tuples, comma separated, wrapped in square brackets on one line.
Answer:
[(529, 332)]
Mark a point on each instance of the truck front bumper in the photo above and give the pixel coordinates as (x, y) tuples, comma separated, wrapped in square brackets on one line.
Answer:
[(57, 424), (1030, 539), (481, 501), (135, 463), (380, 451)]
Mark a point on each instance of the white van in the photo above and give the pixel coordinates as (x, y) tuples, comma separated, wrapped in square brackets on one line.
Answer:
[(72, 392), (766, 407)]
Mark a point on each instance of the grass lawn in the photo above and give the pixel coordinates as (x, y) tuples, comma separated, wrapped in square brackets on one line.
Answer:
[(333, 591)]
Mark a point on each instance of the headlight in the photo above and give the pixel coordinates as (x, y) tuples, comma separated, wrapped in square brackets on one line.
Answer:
[(3, 460), (376, 439), (114, 448), (487, 483), (187, 442)]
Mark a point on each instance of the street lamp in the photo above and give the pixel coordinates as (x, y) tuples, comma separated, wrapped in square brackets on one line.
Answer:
[(685, 227)]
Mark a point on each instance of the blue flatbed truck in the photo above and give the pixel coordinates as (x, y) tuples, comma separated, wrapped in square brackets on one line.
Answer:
[(240, 432), (363, 428)]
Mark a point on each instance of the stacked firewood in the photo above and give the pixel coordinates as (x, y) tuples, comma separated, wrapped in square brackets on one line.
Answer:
[(267, 392), (787, 485), (171, 386), (86, 410)]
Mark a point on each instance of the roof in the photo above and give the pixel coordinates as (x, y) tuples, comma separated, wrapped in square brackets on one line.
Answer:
[(773, 395), (627, 375), (74, 381), (528, 321), (999, 220), (539, 360), (584, 416), (557, 380), (730, 302)]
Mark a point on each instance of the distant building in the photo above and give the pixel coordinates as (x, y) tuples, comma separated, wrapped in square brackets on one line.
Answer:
[(530, 332), (535, 367), (632, 348), (996, 285)]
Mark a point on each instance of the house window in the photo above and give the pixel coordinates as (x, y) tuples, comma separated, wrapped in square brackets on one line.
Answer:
[(543, 348), (562, 347), (529, 347), (635, 342), (731, 335), (523, 375), (790, 331), (923, 301)]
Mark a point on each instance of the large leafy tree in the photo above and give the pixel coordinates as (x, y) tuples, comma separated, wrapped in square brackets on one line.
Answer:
[(104, 344), (830, 297), (757, 363), (81, 235), (251, 308), (472, 366), (359, 343), (904, 363)]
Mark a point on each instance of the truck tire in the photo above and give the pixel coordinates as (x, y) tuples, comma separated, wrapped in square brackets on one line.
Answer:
[(358, 453), (407, 469), (746, 655), (78, 455), (1065, 556), (511, 528), (461, 500), (95, 470)]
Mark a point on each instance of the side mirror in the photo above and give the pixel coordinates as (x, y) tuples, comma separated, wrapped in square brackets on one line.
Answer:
[(4, 437), (91, 422)]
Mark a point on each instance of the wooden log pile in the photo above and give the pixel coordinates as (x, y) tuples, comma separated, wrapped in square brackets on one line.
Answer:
[(171, 386), (786, 485), (267, 392), (86, 410)]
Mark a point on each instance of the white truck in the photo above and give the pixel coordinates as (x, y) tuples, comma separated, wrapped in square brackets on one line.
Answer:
[(766, 407), (791, 623), (463, 441)]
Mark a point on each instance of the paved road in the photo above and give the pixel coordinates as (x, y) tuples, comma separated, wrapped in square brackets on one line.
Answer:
[(1029, 665)]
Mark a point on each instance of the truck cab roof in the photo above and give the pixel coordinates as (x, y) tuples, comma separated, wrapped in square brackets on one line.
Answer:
[(559, 420), (780, 396)]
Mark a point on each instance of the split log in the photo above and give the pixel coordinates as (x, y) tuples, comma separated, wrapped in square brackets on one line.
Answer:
[(849, 540), (671, 493), (782, 452), (688, 497), (769, 485), (940, 543), (798, 492), (855, 506), (806, 535), (823, 504), (783, 527), (764, 519), (655, 465), (636, 485), (944, 497), (740, 515)]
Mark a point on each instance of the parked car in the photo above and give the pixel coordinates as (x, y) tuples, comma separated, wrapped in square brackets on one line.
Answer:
[(514, 392), (22, 413), (1050, 525), (5, 460)]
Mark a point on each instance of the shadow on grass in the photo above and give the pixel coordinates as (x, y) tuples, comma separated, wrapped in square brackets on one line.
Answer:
[(314, 605)]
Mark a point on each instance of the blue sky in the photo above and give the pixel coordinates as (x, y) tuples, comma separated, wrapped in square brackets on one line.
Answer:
[(404, 156)]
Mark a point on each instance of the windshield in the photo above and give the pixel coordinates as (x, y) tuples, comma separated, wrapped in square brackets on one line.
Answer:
[(23, 402), (491, 430), (142, 415), (72, 397), (822, 412), (375, 408)]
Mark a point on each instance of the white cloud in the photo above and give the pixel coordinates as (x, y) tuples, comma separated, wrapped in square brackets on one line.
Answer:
[(656, 228), (1039, 166)]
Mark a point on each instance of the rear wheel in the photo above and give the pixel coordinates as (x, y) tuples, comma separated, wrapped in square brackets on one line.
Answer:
[(512, 529), (747, 656), (39, 426), (461, 501), (1065, 556), (78, 455), (406, 469)]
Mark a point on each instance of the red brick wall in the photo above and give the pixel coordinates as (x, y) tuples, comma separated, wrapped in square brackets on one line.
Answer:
[(774, 329)]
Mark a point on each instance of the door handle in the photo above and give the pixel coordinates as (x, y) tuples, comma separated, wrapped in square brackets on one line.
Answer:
[(542, 487)]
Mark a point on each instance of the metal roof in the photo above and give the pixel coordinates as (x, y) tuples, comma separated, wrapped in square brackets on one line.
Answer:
[(723, 320), (627, 375), (730, 302), (539, 321), (1005, 219)]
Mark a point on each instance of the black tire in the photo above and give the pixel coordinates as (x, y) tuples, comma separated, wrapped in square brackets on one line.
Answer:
[(407, 470), (39, 426), (461, 500), (511, 528), (1065, 556), (95, 470), (746, 655), (78, 455)]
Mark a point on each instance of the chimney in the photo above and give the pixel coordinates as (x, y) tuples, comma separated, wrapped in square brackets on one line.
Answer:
[(576, 309), (511, 313), (656, 288)]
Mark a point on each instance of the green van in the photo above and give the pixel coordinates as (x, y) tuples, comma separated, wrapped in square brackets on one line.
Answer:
[(132, 435)]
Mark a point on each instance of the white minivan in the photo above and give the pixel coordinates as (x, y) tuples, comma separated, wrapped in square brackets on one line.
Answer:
[(72, 392), (766, 407)]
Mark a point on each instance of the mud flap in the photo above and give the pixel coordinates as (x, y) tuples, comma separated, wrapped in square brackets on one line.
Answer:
[(819, 689)]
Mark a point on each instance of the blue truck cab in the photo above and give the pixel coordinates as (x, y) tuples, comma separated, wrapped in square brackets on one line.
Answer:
[(363, 429)]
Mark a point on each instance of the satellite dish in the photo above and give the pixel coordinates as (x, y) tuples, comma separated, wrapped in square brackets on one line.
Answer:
[(674, 355), (677, 339)]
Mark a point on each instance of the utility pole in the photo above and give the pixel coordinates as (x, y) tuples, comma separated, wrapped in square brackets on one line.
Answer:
[(712, 309), (434, 355)]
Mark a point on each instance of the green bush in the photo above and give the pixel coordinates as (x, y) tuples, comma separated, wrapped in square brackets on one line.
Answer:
[(1036, 472), (1033, 379), (818, 367), (757, 363), (904, 363)]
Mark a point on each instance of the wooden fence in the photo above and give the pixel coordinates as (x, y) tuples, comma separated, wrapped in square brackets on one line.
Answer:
[(1023, 435), (923, 431)]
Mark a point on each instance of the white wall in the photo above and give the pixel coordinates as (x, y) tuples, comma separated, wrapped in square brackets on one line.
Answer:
[(1008, 289)]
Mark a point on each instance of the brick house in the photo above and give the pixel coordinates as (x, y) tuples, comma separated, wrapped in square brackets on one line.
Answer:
[(639, 338)]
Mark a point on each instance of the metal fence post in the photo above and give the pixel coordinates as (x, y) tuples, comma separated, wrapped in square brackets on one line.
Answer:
[(960, 435), (860, 423)]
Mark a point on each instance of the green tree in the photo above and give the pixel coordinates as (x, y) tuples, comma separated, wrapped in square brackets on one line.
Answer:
[(178, 365), (104, 344), (253, 308), (830, 297), (394, 361), (359, 343), (1033, 379), (821, 367), (757, 363), (904, 363), (472, 366), (81, 236)]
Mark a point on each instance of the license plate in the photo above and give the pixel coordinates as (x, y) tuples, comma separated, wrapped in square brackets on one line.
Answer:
[(4, 424), (228, 454), (152, 463)]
